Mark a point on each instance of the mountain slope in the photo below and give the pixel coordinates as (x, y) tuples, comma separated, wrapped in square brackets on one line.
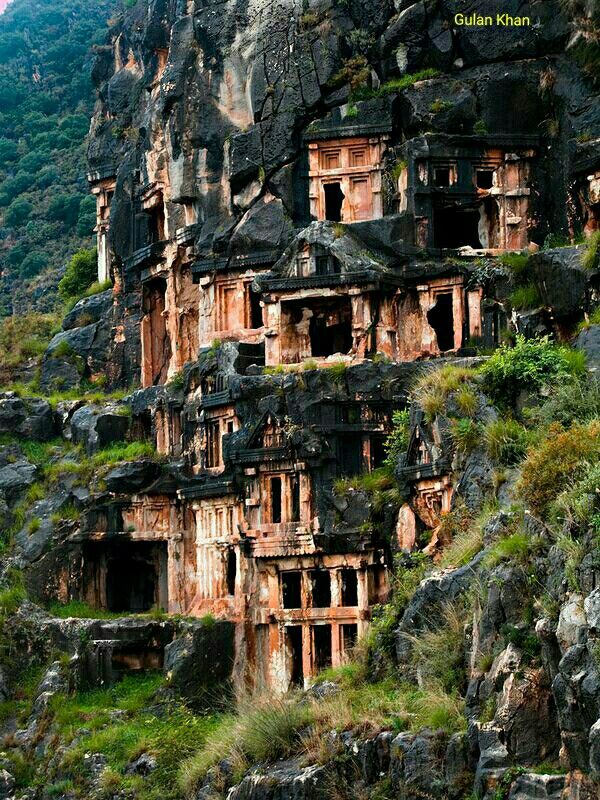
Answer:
[(46, 98)]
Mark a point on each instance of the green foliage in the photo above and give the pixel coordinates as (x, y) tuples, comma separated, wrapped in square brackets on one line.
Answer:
[(25, 336), (480, 128), (466, 434), (397, 441), (514, 548), (591, 257), (80, 610), (80, 275), (561, 456), (44, 121), (400, 84), (506, 440), (568, 401), (526, 296), (434, 388), (530, 364)]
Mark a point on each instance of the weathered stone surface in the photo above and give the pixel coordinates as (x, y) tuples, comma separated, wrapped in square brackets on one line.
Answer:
[(537, 787), (31, 418), (562, 280), (88, 310), (97, 426), (201, 660), (588, 341)]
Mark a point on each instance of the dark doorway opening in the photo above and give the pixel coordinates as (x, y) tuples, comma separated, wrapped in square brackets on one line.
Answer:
[(275, 499), (156, 223), (330, 331), (293, 641), (349, 637), (291, 589), (322, 646), (378, 451), (349, 587), (441, 319), (321, 588), (231, 571), (456, 227), (256, 318), (134, 574), (295, 491), (349, 454), (334, 197)]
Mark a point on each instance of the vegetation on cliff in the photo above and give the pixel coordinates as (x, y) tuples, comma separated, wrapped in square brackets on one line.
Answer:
[(46, 97)]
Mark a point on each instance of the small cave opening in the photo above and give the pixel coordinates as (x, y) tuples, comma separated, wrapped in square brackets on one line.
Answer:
[(293, 646), (349, 587), (441, 319), (291, 589), (334, 197), (321, 588), (131, 658), (330, 330), (456, 227), (322, 646)]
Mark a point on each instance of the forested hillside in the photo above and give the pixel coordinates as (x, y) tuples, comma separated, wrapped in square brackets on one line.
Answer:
[(46, 99)]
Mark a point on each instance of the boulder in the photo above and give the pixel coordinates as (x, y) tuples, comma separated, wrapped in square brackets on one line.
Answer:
[(561, 280), (29, 417), (7, 783), (198, 664), (132, 476), (96, 426), (88, 310), (16, 477), (572, 622), (530, 786), (588, 341)]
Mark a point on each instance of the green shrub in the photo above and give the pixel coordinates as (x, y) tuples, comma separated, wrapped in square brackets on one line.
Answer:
[(530, 364), (466, 434), (397, 442), (506, 440), (592, 252), (81, 273), (569, 401), (561, 456), (526, 296)]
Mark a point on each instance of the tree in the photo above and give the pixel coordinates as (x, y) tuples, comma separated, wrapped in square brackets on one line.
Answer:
[(18, 212), (33, 264), (65, 208), (87, 216), (81, 272), (8, 151)]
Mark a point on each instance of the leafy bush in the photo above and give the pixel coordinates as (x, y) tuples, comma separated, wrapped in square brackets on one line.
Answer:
[(397, 441), (17, 212), (569, 401), (561, 456), (530, 364), (33, 264), (526, 296), (81, 273), (466, 434), (506, 440), (592, 253)]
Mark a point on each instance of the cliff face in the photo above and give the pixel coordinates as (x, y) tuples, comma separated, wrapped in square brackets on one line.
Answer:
[(348, 463)]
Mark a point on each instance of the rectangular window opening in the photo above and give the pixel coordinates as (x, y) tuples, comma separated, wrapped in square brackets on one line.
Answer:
[(321, 588), (276, 499), (291, 589), (349, 587)]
